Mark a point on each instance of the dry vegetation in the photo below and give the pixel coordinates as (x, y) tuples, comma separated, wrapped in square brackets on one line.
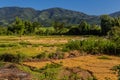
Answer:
[(100, 67), (33, 45), (37, 44)]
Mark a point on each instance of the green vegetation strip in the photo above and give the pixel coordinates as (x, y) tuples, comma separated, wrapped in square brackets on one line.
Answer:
[(93, 46)]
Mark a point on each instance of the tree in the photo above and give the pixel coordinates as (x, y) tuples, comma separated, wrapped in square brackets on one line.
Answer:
[(3, 30), (58, 26), (114, 33), (95, 29), (106, 23), (74, 31), (28, 27), (117, 21), (17, 27), (84, 27)]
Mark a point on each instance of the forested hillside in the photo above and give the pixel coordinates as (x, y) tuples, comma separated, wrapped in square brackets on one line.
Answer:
[(45, 17)]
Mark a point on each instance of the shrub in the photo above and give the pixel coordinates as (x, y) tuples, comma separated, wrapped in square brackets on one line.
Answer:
[(57, 55), (92, 46), (20, 57), (7, 57), (73, 45), (50, 71), (117, 69), (52, 65), (41, 56)]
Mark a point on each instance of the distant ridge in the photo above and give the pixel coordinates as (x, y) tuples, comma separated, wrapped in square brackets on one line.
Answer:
[(47, 16), (115, 14)]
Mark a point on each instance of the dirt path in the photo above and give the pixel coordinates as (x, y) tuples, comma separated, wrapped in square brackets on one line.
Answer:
[(100, 68)]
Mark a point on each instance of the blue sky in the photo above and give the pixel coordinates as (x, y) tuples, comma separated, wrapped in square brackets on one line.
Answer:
[(92, 7)]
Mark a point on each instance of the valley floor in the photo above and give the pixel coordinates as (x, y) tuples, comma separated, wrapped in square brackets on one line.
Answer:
[(101, 68)]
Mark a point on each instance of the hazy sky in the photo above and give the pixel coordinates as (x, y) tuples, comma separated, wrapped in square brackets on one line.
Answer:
[(93, 7)]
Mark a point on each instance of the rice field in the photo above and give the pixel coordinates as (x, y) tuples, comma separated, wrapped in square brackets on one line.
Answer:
[(100, 67), (33, 45)]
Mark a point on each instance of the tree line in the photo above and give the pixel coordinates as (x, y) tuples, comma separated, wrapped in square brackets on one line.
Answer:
[(108, 26)]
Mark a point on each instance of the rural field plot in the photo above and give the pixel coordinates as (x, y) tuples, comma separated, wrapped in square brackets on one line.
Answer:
[(31, 45), (100, 68), (34, 45), (75, 41)]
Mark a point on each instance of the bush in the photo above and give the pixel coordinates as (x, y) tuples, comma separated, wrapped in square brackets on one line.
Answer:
[(57, 55), (7, 57), (20, 57), (50, 71), (92, 46), (117, 69), (41, 56), (52, 65)]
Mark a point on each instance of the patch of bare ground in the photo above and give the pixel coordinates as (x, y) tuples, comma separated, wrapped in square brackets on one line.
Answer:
[(11, 72), (76, 73), (101, 68), (48, 41)]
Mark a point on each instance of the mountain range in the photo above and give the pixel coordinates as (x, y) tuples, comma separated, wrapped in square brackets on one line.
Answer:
[(48, 16)]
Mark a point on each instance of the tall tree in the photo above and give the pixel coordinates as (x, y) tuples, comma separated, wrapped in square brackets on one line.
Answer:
[(106, 23), (84, 27), (117, 21), (58, 26), (17, 27), (114, 33), (28, 27)]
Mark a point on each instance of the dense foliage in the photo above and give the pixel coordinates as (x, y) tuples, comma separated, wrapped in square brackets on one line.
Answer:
[(93, 46), (109, 26)]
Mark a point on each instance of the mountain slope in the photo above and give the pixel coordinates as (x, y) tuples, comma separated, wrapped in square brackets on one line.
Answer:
[(64, 15), (8, 14), (45, 17), (116, 14)]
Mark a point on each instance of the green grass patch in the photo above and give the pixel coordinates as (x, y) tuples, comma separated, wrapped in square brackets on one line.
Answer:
[(9, 45), (48, 72), (35, 75), (104, 57), (25, 43)]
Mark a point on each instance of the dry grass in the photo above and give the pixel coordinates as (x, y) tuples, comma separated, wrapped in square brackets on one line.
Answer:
[(46, 44), (100, 68), (40, 39)]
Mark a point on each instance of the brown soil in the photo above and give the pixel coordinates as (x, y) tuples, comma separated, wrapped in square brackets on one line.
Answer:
[(76, 73), (11, 72)]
